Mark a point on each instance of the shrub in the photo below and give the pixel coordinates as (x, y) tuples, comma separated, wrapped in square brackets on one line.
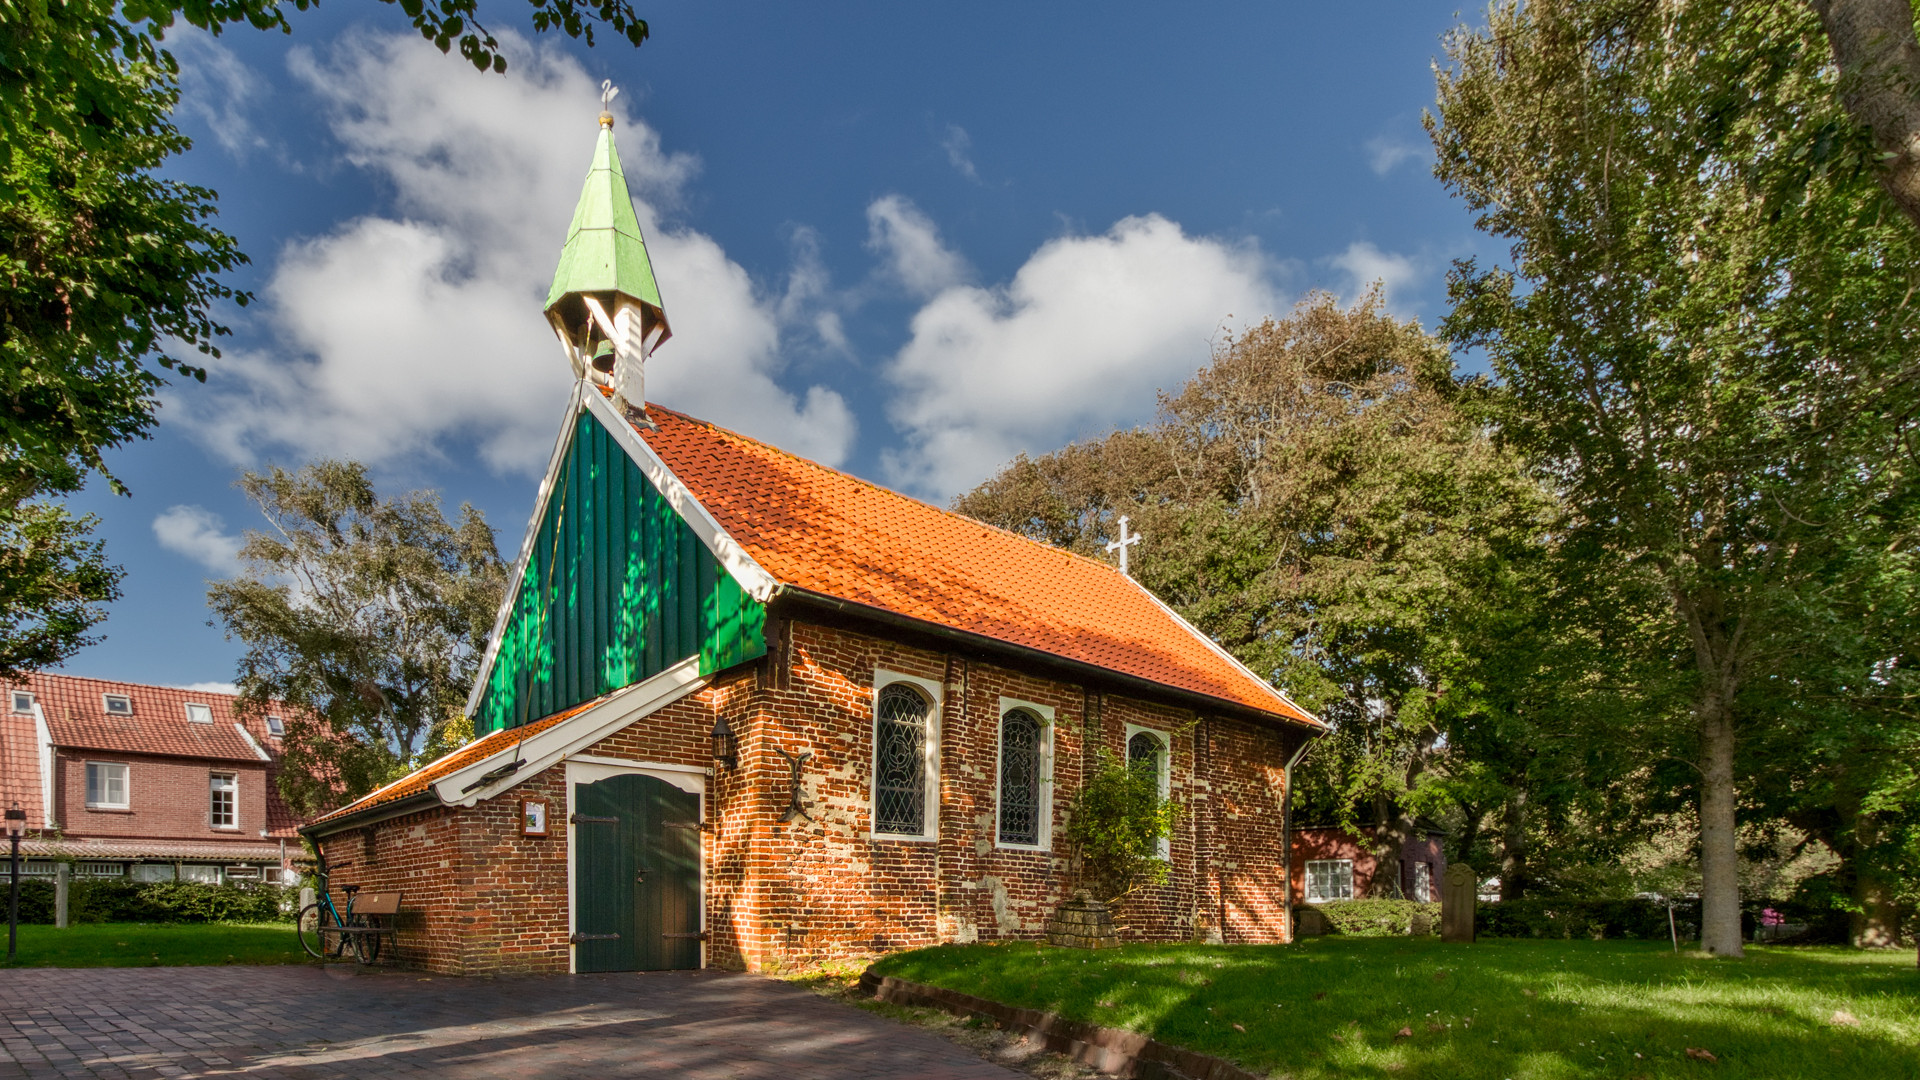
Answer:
[(94, 900), (1381, 918), (1115, 824), (1590, 919)]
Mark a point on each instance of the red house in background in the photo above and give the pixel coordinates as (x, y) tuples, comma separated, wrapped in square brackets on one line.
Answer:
[(144, 782), (1330, 863)]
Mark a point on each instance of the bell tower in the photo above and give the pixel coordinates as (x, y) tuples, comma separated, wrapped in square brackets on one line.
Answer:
[(605, 305)]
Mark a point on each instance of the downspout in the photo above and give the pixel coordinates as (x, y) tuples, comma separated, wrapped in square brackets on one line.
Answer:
[(1286, 830)]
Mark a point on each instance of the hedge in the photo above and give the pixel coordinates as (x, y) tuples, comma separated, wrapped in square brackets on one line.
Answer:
[(1381, 918), (1594, 919), (92, 900)]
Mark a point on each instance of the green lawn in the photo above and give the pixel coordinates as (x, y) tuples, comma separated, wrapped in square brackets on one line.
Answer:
[(156, 944), (1498, 1009)]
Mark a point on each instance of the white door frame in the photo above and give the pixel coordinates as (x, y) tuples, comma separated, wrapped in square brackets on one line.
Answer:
[(588, 769)]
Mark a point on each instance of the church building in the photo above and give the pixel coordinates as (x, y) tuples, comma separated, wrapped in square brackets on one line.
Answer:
[(744, 710)]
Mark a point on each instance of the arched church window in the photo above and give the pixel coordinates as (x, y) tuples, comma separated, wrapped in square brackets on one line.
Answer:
[(1020, 768), (900, 762), (1147, 750)]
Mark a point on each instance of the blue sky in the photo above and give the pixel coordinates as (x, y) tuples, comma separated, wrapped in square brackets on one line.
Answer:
[(906, 239)]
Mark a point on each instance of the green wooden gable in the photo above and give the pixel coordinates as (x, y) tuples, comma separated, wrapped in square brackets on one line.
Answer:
[(616, 589)]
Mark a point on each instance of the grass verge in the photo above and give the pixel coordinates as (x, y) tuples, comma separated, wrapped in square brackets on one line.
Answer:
[(1495, 1010), (156, 945)]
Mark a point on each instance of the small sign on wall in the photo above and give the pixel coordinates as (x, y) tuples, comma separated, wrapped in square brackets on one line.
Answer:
[(533, 817)]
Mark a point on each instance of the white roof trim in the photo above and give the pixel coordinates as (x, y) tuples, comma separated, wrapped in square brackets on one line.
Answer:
[(569, 736), (45, 737), (526, 547), (248, 736), (726, 550), (1222, 653)]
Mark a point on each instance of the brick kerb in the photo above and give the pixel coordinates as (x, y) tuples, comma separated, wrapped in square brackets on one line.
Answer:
[(1114, 1051)]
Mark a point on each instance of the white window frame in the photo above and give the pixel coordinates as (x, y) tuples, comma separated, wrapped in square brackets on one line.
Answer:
[(936, 694), (22, 697), (1311, 897), (126, 785), (213, 781), (1045, 713), (276, 727), (1423, 882), (107, 700), (192, 705), (1165, 849)]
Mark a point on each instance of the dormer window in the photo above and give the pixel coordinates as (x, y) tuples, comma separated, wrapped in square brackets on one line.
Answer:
[(117, 704), (23, 702), (199, 714), (276, 727)]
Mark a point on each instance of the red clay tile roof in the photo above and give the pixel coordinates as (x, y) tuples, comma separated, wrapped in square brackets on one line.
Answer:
[(154, 849), (77, 717), (417, 781), (20, 766), (819, 529)]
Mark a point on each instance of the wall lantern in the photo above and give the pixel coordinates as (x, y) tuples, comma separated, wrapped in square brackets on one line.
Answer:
[(726, 749)]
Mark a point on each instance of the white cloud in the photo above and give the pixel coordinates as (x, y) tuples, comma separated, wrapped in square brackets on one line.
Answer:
[(413, 333), (959, 147), (218, 88), (1081, 338), (211, 688), (1365, 264), (200, 535), (1384, 152), (910, 248)]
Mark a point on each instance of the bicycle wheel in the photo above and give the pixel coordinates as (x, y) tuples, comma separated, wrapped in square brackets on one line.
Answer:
[(307, 926), (366, 947)]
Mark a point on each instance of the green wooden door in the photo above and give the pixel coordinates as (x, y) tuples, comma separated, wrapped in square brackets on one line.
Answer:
[(636, 875)]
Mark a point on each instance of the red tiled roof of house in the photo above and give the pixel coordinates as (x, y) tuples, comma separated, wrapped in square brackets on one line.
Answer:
[(821, 530), (20, 767), (418, 781), (77, 717)]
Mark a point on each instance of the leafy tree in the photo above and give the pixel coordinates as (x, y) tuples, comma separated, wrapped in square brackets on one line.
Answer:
[(1706, 336), (1115, 824), (368, 616), (53, 578)]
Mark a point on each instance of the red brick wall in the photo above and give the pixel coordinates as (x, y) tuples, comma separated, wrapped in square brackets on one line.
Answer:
[(782, 893), (169, 798)]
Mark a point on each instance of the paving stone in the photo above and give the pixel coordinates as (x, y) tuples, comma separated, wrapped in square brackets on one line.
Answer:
[(306, 1023)]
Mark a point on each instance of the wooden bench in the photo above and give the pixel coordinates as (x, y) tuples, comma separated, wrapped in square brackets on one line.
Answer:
[(381, 910)]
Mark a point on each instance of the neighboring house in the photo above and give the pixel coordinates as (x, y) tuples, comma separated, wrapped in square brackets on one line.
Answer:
[(1331, 863), (151, 783), (744, 710)]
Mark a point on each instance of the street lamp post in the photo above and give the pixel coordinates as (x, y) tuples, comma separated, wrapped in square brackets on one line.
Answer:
[(16, 824)]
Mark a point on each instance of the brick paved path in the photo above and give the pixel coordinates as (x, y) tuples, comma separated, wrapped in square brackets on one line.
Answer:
[(288, 1022)]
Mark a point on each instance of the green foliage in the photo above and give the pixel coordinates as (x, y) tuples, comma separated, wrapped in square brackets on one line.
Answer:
[(1543, 917), (1381, 918), (1115, 824), (368, 616), (1333, 1008), (54, 577), (1704, 342), (96, 900)]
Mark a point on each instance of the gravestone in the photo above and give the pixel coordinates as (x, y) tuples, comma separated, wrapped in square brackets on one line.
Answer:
[(1082, 923), (1457, 897)]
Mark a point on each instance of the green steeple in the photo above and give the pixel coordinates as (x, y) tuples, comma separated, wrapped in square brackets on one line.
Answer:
[(605, 252)]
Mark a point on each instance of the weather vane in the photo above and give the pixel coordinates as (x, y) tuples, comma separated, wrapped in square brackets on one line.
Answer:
[(608, 92)]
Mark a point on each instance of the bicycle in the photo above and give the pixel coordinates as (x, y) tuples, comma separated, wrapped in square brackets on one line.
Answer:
[(321, 919)]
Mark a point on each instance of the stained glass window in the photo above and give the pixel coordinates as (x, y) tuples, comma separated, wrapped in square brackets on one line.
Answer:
[(900, 762), (1020, 734)]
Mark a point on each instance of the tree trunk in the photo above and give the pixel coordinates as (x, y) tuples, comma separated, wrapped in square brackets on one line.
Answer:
[(1389, 840), (1876, 925), (1516, 874), (1873, 45), (1719, 859)]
